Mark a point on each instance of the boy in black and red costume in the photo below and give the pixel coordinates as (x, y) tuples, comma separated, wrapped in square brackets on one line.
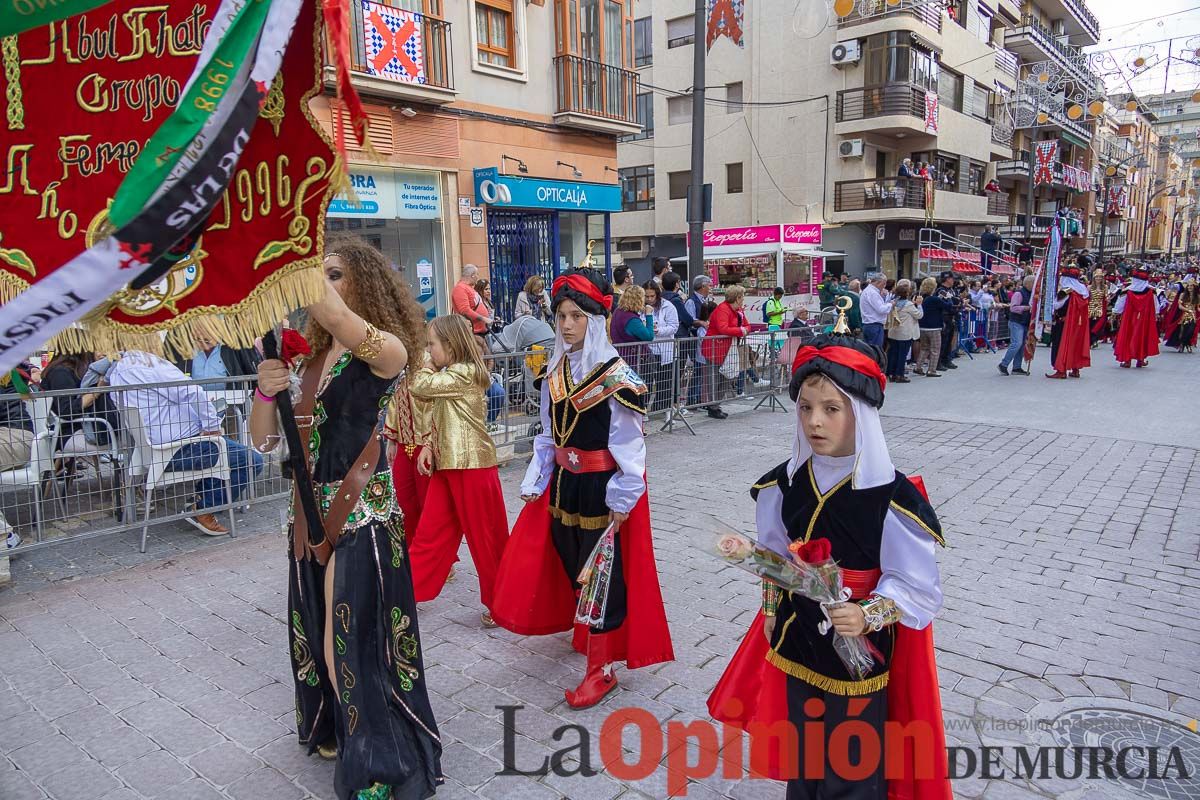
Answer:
[(840, 486), (588, 469)]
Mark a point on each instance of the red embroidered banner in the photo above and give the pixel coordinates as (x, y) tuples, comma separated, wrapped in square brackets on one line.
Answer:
[(80, 104)]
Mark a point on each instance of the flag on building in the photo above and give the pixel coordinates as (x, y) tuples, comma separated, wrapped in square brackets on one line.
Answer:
[(931, 112), (1047, 157), (725, 19), (394, 44)]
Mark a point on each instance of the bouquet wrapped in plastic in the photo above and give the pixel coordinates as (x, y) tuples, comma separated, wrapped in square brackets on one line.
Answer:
[(596, 577), (808, 571)]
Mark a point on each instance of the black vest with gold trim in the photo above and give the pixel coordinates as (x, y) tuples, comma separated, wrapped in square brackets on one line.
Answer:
[(852, 520), (580, 418)]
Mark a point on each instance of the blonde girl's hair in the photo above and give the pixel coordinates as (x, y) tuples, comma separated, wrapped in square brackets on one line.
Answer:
[(928, 286), (458, 339), (633, 299)]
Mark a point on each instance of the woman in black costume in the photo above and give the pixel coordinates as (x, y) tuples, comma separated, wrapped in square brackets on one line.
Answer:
[(355, 647)]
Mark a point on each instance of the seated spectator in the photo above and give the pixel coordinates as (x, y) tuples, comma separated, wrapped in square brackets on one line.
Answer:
[(66, 373), (173, 413), (215, 360), (16, 441)]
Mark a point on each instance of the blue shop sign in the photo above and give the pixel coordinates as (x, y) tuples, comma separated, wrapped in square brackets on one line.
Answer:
[(514, 191)]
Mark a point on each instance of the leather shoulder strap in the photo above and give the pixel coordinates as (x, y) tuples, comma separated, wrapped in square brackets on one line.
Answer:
[(304, 410), (351, 489)]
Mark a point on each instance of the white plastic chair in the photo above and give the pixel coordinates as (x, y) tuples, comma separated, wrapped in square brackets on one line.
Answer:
[(79, 447), (41, 461), (148, 466)]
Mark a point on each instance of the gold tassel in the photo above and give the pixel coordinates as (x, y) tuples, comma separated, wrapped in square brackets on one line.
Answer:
[(236, 326), (824, 682)]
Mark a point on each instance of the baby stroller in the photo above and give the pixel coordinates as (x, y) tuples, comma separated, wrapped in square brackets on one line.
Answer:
[(524, 335)]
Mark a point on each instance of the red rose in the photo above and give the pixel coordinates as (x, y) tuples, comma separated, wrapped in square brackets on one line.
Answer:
[(815, 551), (293, 346)]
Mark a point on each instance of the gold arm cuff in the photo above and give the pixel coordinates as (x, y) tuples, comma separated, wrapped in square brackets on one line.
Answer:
[(880, 612), (370, 347)]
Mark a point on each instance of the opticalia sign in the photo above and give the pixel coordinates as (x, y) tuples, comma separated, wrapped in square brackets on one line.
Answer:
[(494, 189)]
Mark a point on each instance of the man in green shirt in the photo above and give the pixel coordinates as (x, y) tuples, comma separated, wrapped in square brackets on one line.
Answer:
[(827, 290), (774, 313)]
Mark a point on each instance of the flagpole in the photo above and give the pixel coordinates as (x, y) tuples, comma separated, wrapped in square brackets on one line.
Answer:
[(301, 478)]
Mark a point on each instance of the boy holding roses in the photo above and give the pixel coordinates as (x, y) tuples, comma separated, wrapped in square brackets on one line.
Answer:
[(839, 497)]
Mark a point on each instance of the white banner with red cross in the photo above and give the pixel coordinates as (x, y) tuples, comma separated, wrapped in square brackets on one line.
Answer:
[(1116, 201), (395, 48), (1155, 217), (931, 112), (1047, 157)]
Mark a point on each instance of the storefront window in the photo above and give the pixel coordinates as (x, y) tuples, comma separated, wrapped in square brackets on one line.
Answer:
[(398, 212), (755, 273), (797, 273)]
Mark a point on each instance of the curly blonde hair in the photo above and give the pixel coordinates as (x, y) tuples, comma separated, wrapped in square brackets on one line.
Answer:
[(633, 299), (375, 292)]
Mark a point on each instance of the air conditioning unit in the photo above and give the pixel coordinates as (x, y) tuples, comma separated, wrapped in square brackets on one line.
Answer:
[(634, 248), (844, 53), (851, 148)]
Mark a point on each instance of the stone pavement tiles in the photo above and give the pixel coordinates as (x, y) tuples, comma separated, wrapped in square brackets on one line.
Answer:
[(1070, 558)]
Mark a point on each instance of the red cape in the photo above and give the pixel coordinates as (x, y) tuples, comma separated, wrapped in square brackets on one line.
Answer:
[(1137, 338), (534, 597), (753, 690), (1075, 346), (1171, 318)]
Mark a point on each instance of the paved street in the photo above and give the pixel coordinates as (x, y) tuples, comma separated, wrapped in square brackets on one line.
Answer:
[(1071, 580)]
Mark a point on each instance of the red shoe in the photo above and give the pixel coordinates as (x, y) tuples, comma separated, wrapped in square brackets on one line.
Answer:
[(1074, 373), (1124, 365), (1061, 376), (600, 678)]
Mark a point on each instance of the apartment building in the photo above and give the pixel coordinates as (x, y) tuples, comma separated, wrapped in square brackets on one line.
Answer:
[(809, 123), (1178, 127), (495, 123)]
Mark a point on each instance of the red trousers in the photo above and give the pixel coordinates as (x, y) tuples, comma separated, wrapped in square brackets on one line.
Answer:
[(460, 501), (411, 488)]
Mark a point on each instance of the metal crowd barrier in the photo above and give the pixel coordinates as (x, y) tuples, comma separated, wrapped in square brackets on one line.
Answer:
[(983, 330), (109, 459), (141, 455)]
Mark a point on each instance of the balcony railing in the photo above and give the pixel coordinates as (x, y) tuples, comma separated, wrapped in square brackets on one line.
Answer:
[(1006, 64), (1085, 16), (417, 60), (1113, 242), (890, 99), (1002, 132), (879, 193), (1070, 55), (997, 205), (596, 89), (921, 10)]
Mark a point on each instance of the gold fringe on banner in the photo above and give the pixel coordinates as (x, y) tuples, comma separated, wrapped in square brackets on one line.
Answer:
[(236, 326)]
